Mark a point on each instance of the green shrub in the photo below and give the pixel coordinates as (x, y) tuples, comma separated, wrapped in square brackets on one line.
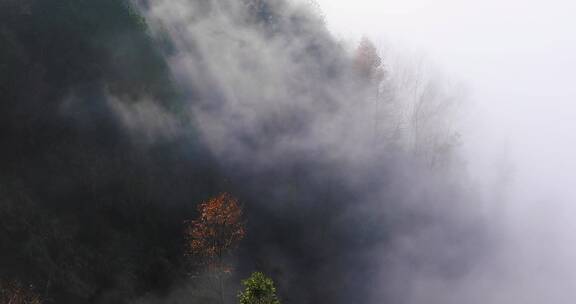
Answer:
[(258, 289)]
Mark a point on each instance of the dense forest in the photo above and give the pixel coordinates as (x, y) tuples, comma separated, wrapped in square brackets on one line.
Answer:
[(163, 151)]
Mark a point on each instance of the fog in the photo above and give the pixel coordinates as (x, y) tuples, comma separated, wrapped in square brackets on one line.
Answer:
[(517, 59), (431, 165), (385, 201)]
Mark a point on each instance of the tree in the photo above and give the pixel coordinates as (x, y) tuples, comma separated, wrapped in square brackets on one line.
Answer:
[(15, 293), (258, 289), (216, 232), (367, 61)]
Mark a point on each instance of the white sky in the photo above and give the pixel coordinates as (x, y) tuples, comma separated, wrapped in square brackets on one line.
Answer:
[(518, 58)]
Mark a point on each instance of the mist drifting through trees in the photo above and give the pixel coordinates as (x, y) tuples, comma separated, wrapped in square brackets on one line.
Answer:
[(118, 119)]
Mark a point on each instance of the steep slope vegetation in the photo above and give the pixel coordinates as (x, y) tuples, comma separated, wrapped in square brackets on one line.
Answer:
[(117, 118)]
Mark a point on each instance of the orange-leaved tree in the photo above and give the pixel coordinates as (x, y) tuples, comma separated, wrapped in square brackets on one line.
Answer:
[(367, 61), (15, 293), (214, 234)]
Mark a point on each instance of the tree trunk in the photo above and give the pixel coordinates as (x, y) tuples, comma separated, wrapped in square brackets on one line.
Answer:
[(221, 282)]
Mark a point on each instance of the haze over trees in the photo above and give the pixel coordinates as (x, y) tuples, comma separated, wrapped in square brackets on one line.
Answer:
[(122, 120)]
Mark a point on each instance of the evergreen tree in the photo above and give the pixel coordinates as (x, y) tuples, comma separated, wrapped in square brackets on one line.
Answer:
[(258, 289)]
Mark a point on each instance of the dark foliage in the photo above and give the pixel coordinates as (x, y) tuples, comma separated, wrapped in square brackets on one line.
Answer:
[(90, 215)]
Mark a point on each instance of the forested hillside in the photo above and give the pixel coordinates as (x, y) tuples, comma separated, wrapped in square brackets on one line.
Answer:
[(122, 123)]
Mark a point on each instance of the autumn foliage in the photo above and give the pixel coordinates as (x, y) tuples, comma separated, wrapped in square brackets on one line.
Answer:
[(16, 293), (217, 231), (367, 61)]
